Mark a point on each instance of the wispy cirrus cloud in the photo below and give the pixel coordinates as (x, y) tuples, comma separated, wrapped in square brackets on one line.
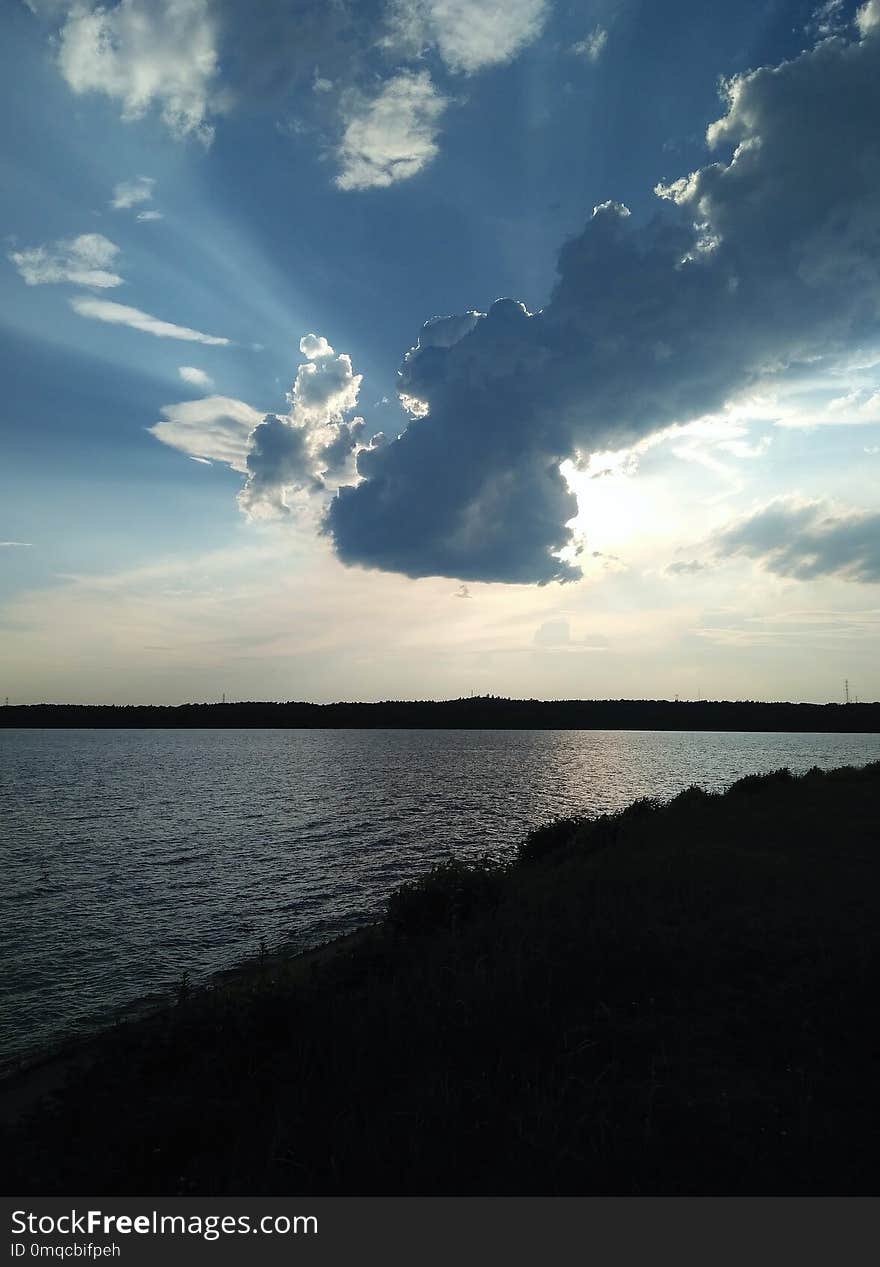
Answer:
[(213, 429), (194, 376), (84, 261), (592, 46), (130, 193), (122, 315)]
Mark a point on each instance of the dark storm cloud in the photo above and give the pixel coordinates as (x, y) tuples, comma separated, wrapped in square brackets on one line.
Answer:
[(806, 540), (765, 259)]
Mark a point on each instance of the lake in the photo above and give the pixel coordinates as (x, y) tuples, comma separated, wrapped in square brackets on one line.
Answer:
[(132, 856)]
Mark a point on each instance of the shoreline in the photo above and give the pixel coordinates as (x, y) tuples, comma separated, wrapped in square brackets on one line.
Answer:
[(48, 1065), (35, 1077), (673, 999)]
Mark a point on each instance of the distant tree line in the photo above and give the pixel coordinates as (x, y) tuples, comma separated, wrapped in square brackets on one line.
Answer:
[(475, 713)]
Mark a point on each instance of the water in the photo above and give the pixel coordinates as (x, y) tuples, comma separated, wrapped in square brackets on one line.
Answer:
[(131, 856)]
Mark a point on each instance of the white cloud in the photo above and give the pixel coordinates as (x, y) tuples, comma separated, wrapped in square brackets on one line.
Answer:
[(129, 193), (393, 136), (149, 215), (7, 545), (197, 377), (868, 17), (145, 53), (325, 386), (315, 346), (121, 315), (592, 46), (861, 405), (312, 448), (213, 429), (468, 34), (84, 260)]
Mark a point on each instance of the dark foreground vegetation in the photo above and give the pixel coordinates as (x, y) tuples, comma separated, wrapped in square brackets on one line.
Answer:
[(676, 999), (485, 712)]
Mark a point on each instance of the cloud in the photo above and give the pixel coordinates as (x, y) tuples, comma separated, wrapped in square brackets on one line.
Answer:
[(84, 261), (827, 19), (391, 136), (197, 377), (213, 429), (149, 215), (315, 347), (868, 18), (689, 568), (121, 315), (806, 540), (7, 545), (859, 406), (129, 193), (312, 447), (756, 265), (278, 460), (314, 62), (310, 450), (325, 387), (145, 54), (592, 46), (468, 34)]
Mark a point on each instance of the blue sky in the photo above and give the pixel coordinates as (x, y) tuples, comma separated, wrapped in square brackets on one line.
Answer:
[(653, 471)]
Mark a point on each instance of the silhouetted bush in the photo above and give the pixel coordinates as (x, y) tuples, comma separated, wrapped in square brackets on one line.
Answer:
[(640, 809), (691, 798), (761, 782), (450, 894), (550, 838)]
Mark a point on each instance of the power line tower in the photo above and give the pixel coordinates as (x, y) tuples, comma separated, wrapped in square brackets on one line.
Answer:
[(846, 688)]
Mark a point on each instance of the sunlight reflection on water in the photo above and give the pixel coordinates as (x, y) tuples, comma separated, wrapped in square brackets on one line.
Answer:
[(130, 856)]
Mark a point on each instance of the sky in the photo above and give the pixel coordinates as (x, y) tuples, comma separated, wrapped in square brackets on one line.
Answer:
[(369, 349)]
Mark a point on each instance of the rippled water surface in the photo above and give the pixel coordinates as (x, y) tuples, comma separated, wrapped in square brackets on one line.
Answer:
[(131, 856)]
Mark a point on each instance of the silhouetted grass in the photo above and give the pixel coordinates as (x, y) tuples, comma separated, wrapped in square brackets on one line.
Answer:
[(676, 998)]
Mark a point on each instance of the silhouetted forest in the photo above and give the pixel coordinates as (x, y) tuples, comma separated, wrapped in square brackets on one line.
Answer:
[(672, 999), (485, 712)]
